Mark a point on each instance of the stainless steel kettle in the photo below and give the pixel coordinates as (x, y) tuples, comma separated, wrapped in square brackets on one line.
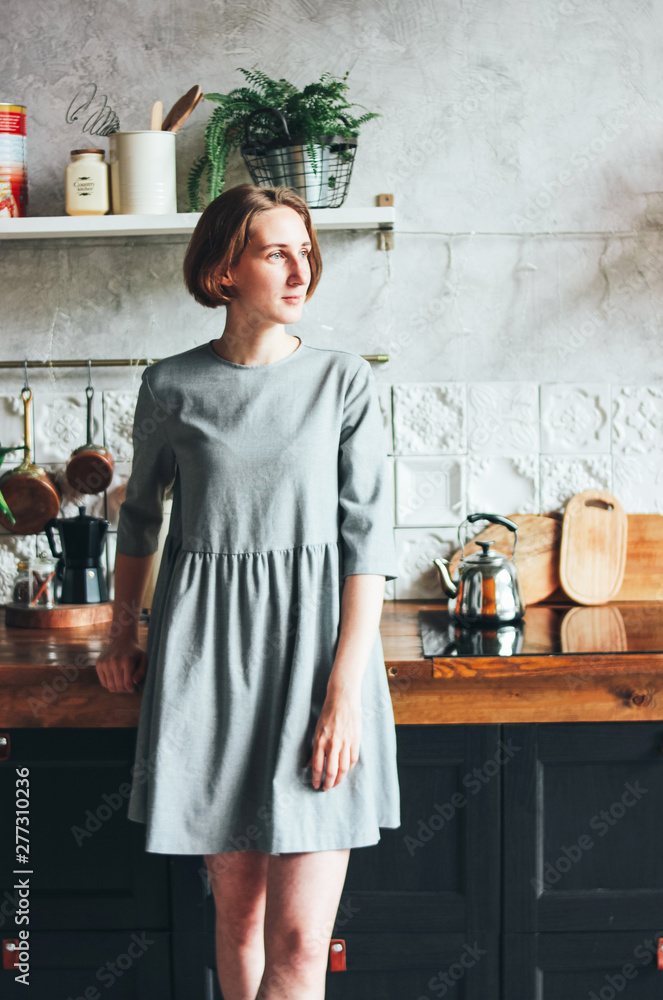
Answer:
[(485, 588)]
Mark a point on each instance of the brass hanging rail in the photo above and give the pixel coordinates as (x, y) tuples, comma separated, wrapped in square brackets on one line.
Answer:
[(119, 362)]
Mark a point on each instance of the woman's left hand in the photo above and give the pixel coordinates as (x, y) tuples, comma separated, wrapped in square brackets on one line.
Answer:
[(336, 738)]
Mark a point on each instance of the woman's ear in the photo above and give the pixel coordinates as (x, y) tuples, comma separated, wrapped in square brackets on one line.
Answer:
[(225, 280)]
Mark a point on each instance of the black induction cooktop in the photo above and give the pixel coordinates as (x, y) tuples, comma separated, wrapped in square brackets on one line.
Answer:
[(549, 629)]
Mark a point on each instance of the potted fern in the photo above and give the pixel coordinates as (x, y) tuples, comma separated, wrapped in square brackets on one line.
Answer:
[(304, 139)]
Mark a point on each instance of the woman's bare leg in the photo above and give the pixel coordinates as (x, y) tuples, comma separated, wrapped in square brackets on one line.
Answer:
[(239, 883), (303, 896)]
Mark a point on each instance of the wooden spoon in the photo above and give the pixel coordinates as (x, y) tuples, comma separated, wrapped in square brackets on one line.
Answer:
[(157, 115), (181, 110)]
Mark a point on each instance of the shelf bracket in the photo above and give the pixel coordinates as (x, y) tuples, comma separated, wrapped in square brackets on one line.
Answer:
[(386, 231)]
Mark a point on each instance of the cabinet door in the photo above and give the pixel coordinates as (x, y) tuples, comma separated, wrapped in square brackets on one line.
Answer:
[(585, 965), (418, 967), (425, 899), (90, 869), (583, 813), (81, 965), (419, 911), (439, 871)]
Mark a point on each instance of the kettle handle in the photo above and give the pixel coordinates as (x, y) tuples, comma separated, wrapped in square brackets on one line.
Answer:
[(48, 531), (495, 519)]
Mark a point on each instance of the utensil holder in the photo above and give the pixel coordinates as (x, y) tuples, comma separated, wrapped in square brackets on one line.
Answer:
[(143, 174)]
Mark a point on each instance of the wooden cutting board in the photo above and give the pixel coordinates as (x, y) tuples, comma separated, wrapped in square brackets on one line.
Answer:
[(593, 549), (537, 552)]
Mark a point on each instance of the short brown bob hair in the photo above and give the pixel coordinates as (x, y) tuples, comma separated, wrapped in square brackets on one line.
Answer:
[(223, 232)]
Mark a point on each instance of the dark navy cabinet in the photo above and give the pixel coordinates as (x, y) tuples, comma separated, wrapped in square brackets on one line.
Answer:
[(528, 866), (583, 861), (99, 907)]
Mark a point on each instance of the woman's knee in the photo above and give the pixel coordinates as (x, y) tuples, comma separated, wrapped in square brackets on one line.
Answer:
[(240, 931), (295, 950)]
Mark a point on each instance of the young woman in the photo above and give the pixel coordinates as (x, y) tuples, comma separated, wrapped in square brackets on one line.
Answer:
[(266, 738)]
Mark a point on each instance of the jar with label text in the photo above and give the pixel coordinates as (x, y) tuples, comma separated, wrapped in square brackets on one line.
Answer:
[(86, 183)]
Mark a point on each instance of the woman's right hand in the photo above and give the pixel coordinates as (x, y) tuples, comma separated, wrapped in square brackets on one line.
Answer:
[(122, 666)]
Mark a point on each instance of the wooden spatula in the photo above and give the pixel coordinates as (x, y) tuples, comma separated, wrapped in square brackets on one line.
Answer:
[(157, 115), (181, 110), (593, 550)]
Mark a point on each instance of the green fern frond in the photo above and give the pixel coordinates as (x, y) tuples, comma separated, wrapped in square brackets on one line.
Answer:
[(193, 182)]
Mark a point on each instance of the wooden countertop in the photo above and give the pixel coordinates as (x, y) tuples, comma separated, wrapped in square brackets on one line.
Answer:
[(555, 687), (47, 678)]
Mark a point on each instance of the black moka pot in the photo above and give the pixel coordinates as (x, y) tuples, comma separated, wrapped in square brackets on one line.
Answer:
[(79, 568)]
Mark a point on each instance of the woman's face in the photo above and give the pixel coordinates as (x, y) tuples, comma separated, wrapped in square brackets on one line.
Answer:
[(273, 273)]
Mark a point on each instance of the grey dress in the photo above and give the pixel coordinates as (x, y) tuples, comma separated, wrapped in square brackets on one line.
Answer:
[(280, 490)]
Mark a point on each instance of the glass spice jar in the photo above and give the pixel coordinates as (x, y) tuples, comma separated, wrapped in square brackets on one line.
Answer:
[(21, 590), (86, 183), (42, 580)]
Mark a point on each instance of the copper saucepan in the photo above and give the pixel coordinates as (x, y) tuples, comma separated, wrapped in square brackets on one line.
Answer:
[(90, 467), (31, 495)]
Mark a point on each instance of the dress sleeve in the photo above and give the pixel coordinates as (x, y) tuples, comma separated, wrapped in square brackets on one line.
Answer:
[(152, 471), (365, 501)]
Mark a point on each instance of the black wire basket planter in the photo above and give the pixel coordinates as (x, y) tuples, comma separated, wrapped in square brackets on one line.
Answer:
[(319, 170)]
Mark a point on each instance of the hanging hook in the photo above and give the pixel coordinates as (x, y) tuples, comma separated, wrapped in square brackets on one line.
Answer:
[(89, 392), (26, 391)]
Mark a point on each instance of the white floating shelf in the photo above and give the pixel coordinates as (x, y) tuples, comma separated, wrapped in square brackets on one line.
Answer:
[(52, 227)]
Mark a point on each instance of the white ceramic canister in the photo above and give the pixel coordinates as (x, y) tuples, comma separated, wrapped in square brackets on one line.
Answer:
[(86, 183), (143, 178)]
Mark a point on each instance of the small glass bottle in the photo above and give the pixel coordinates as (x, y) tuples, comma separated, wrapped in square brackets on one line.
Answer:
[(42, 580), (21, 591), (86, 183)]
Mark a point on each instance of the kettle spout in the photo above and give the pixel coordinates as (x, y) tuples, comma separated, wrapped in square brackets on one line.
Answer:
[(448, 586)]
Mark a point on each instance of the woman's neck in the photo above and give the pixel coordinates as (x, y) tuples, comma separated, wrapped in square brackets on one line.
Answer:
[(255, 349)]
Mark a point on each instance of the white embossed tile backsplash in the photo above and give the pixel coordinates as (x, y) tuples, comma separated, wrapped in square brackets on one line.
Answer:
[(522, 447), (513, 448)]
